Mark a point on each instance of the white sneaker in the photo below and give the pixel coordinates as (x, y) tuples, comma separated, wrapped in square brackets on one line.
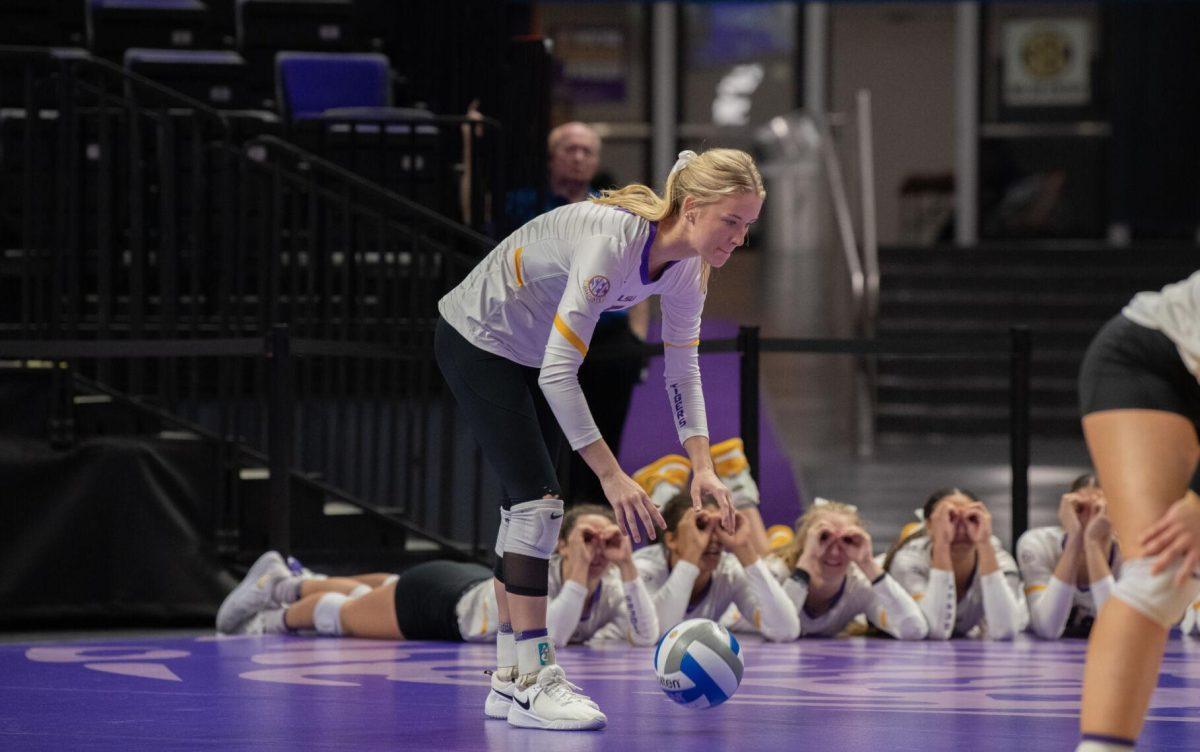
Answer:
[(552, 702), (252, 595), (729, 460), (500, 697)]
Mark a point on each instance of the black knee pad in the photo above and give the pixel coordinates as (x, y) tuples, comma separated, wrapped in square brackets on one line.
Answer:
[(526, 575)]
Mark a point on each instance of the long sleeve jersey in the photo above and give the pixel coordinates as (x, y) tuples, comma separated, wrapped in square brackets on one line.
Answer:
[(995, 603), (883, 602), (614, 610), (536, 297), (1057, 607), (753, 590)]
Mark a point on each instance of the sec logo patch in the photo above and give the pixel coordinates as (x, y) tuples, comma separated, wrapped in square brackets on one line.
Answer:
[(596, 289)]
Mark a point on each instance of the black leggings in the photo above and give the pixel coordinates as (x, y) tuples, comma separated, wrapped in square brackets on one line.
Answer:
[(508, 414)]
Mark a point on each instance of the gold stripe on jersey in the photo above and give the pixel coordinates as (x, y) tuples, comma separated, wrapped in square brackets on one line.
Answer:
[(918, 597), (517, 266), (1034, 589), (569, 335), (693, 343)]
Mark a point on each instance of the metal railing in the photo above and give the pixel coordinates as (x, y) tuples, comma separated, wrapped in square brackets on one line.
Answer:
[(150, 249)]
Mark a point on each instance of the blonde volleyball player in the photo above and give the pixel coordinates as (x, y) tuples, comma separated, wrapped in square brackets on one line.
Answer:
[(958, 572), (701, 568), (831, 577), (594, 592), (1140, 401), (1068, 569), (510, 341)]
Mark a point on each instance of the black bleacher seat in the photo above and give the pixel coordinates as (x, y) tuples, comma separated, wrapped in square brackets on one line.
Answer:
[(215, 77), (294, 25), (116, 25), (33, 22)]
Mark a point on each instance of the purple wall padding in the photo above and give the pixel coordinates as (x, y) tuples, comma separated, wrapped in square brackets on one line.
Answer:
[(650, 428)]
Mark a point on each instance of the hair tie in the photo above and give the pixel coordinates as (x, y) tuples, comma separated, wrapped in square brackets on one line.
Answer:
[(685, 158), (820, 502), (920, 513)]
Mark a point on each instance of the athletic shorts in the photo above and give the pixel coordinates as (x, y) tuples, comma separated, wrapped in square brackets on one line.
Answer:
[(1129, 366), (428, 594)]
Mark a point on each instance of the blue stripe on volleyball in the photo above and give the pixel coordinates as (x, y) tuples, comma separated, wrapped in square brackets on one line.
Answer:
[(705, 684), (733, 644)]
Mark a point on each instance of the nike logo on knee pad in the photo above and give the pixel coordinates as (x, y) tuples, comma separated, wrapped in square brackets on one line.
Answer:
[(555, 515)]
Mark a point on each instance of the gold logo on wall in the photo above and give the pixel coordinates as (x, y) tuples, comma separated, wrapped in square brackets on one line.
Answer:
[(1045, 54)]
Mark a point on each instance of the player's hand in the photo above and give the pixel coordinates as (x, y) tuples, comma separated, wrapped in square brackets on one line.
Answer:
[(979, 524), (860, 550), (816, 542), (1099, 527), (581, 545), (737, 541), (941, 525), (1071, 509), (1175, 536), (693, 533), (706, 483), (631, 504)]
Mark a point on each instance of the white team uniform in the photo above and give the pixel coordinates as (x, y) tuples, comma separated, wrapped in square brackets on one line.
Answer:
[(614, 610), (1174, 311), (536, 297), (993, 606), (753, 590), (884, 603), (1057, 607)]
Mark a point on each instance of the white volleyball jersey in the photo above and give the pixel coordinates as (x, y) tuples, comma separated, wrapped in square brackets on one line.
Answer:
[(1174, 311), (1057, 607), (884, 604), (995, 604), (753, 590), (536, 297), (615, 610), (478, 616)]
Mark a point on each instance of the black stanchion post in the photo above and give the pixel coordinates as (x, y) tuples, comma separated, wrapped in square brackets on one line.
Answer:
[(1018, 423), (748, 355), (279, 437)]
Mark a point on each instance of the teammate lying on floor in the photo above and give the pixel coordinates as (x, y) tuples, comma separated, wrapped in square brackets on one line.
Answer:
[(958, 572), (699, 569), (668, 475), (831, 577), (593, 587), (1069, 569)]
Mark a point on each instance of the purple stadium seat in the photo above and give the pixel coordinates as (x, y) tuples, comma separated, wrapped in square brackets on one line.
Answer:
[(309, 83)]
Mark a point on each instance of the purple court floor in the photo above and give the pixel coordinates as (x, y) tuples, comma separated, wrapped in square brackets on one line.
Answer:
[(280, 693)]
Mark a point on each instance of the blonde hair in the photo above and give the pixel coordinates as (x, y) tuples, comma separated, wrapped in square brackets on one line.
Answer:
[(707, 177), (790, 554)]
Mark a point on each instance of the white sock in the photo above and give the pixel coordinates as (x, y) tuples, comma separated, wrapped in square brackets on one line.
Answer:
[(273, 621), (506, 653), (287, 590), (535, 651)]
